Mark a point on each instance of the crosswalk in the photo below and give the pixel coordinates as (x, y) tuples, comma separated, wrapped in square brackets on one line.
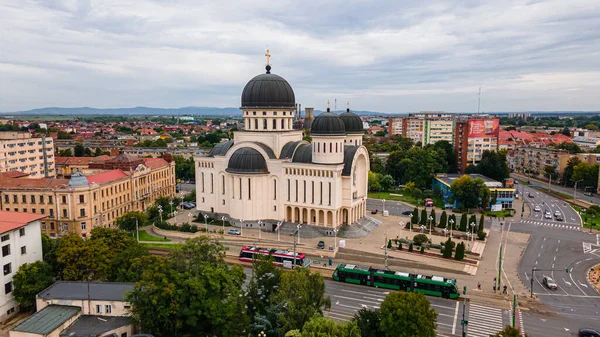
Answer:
[(553, 225), (484, 321)]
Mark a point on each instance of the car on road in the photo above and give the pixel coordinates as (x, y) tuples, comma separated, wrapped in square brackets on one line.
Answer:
[(557, 213), (548, 215), (549, 283), (589, 194), (234, 232), (559, 218), (530, 195), (537, 208), (586, 332), (321, 245), (407, 213), (188, 205)]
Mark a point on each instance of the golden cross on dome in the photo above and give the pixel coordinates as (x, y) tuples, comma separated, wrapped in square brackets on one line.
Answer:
[(348, 105), (268, 55), (327, 104)]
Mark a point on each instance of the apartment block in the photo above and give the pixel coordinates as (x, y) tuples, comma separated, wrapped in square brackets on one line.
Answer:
[(21, 152), (21, 242), (472, 136), (533, 161), (97, 199), (425, 127)]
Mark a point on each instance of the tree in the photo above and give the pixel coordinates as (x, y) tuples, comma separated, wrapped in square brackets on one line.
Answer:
[(98, 152), (303, 295), (423, 217), (386, 181), (79, 150), (415, 216), (326, 327), (389, 244), (191, 290), (65, 153), (265, 280), (568, 171), (463, 222), (493, 165), (443, 220), (460, 251), (374, 184), (448, 246), (410, 247), (368, 322), (131, 220), (407, 315), (566, 132), (509, 331), (588, 174), (377, 165), (63, 135), (452, 224), (432, 215), (481, 223), (470, 192), (31, 279), (570, 147), (420, 239), (448, 149)]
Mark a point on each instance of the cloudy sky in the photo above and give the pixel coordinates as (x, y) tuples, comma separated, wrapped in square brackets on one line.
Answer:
[(389, 56)]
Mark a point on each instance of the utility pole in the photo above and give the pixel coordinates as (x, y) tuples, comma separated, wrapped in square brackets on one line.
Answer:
[(464, 322), (137, 230), (500, 268), (575, 190), (296, 232), (386, 253)]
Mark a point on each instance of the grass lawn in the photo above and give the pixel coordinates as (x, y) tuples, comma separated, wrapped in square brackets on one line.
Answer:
[(498, 214), (588, 219), (159, 245), (405, 197), (144, 236)]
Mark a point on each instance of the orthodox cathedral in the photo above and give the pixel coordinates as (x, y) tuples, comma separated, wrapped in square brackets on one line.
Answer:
[(267, 172)]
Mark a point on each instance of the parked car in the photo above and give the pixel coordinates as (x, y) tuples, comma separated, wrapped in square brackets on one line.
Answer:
[(557, 213), (548, 215), (321, 245), (537, 208), (586, 332), (549, 283), (374, 211), (234, 232), (589, 194), (559, 218), (530, 195), (187, 205)]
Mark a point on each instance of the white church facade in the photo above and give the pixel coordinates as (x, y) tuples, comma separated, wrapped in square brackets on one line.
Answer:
[(267, 172)]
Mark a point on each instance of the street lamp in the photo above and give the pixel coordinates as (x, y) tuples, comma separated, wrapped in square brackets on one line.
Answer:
[(401, 226), (206, 222), (472, 230), (575, 190), (410, 226), (190, 215), (383, 205), (430, 222), (262, 334), (171, 203), (160, 210), (259, 226), (451, 222), (223, 220), (277, 229), (241, 226), (299, 226), (335, 238)]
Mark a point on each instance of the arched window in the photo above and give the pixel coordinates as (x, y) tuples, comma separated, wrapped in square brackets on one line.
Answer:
[(283, 124), (255, 124), (330, 147), (264, 123), (336, 147), (318, 147), (274, 124)]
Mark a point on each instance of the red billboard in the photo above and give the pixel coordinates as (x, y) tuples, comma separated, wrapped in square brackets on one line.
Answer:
[(484, 128)]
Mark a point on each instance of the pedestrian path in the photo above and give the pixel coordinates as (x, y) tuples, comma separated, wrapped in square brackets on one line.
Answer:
[(484, 321), (552, 225)]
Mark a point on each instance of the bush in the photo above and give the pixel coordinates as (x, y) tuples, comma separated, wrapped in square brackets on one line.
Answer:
[(420, 239), (410, 247), (448, 246), (422, 249), (389, 245), (460, 252), (399, 246), (481, 235)]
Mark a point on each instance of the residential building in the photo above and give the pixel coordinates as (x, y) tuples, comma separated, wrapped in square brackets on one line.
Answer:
[(80, 309), (587, 142), (83, 202), (21, 242), (504, 192), (533, 161), (19, 151), (425, 127), (472, 136), (267, 172), (66, 166), (396, 126)]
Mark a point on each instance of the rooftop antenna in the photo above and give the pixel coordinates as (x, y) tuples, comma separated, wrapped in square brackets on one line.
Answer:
[(479, 100)]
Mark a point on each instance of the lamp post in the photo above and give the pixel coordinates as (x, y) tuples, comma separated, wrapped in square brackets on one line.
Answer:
[(472, 230), (296, 234), (190, 215), (451, 222), (335, 238), (259, 226), (160, 210), (401, 226), (206, 222), (575, 190), (171, 203), (430, 222), (223, 221), (383, 205), (299, 226), (410, 226), (277, 229), (241, 226), (262, 334), (182, 195)]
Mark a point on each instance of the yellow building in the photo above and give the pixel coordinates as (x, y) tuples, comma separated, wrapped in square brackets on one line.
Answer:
[(82, 203), (19, 151)]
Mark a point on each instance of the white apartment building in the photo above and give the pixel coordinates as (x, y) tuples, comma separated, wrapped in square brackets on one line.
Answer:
[(20, 152), (21, 242), (424, 127)]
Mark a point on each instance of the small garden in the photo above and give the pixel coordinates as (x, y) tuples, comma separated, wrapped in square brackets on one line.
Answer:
[(420, 220), (422, 245), (590, 216), (409, 194)]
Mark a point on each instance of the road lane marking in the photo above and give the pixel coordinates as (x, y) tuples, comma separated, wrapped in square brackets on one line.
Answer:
[(583, 285), (567, 282), (455, 317), (557, 249), (561, 295)]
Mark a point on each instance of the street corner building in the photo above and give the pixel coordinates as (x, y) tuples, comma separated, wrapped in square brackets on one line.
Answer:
[(268, 172)]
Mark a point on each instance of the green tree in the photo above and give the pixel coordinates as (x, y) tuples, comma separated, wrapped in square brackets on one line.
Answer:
[(493, 165), (386, 181), (448, 149), (481, 224), (472, 225), (448, 246), (443, 220), (432, 215), (319, 326), (509, 331), (192, 291), (415, 216), (265, 280), (410, 246), (460, 251), (63, 135), (303, 295), (79, 150), (463, 222), (377, 165), (587, 173), (566, 132), (424, 217), (130, 220), (569, 169), (31, 279), (420, 239), (470, 192), (422, 249), (407, 315), (65, 153), (570, 147), (452, 221), (374, 184), (98, 152), (389, 244), (368, 322)]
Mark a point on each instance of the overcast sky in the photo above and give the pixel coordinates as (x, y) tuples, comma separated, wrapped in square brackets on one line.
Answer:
[(388, 56)]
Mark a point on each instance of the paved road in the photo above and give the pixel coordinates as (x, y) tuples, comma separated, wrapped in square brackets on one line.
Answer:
[(556, 246), (595, 198)]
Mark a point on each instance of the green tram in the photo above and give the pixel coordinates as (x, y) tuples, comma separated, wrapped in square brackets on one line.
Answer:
[(427, 285)]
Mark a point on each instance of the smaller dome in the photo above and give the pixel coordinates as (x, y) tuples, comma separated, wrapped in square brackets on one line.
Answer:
[(328, 124), (352, 122), (247, 160)]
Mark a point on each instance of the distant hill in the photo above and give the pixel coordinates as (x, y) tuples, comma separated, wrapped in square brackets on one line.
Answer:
[(230, 111)]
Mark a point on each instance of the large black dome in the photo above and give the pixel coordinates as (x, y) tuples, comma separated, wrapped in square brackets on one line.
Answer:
[(247, 160), (268, 91), (328, 124), (352, 122)]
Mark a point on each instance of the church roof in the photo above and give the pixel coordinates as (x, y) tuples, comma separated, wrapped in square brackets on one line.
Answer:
[(328, 124), (247, 160), (268, 91), (267, 149), (288, 149), (349, 152), (303, 154), (221, 149), (352, 122)]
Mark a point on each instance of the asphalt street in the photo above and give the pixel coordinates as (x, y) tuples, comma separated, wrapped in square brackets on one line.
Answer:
[(595, 198), (563, 251)]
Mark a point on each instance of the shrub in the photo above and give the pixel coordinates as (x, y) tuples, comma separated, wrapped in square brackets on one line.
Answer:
[(460, 252), (399, 246), (481, 235), (420, 239), (422, 249), (410, 247), (389, 245), (448, 246)]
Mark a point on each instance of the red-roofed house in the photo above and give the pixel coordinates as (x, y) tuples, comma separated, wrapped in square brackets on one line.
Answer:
[(106, 177), (21, 242)]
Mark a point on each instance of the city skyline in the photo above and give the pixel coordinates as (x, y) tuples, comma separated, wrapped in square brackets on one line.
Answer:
[(391, 58)]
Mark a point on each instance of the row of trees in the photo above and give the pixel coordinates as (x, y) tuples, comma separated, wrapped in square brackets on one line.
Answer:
[(492, 165), (448, 222), (577, 170)]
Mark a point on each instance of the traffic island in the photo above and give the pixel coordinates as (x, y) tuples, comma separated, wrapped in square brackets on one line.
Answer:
[(594, 277)]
